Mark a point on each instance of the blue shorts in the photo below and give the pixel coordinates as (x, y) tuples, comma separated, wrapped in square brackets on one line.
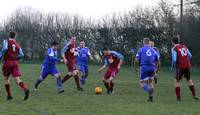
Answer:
[(83, 68), (48, 70), (147, 72)]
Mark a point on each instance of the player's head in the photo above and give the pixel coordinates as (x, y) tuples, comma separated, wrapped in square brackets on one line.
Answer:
[(175, 40), (105, 50), (151, 43), (55, 45), (12, 35), (82, 44), (146, 41), (73, 39)]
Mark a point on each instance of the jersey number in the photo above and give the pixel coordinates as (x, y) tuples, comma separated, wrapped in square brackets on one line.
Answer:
[(183, 52), (148, 53), (13, 47)]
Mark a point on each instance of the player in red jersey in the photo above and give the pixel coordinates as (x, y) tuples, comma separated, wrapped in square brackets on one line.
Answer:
[(114, 60), (11, 53), (69, 54), (181, 60)]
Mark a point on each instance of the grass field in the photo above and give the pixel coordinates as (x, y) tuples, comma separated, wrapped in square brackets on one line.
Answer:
[(128, 99)]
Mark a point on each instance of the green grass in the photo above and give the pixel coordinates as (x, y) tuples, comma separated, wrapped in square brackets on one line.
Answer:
[(128, 99)]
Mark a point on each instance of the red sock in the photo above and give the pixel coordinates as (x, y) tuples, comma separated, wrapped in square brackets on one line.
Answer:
[(178, 92), (7, 86), (76, 78), (66, 78), (111, 86), (23, 86), (106, 85), (192, 89)]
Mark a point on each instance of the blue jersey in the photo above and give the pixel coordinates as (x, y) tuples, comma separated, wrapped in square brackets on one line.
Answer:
[(50, 58), (147, 56), (83, 55)]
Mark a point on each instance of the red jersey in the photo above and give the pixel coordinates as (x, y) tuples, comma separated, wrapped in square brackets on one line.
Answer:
[(183, 60), (114, 59), (70, 53), (12, 51)]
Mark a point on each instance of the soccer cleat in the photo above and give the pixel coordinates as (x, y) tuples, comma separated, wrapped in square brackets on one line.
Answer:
[(9, 97), (178, 99), (61, 91), (150, 99), (155, 80), (26, 94), (80, 89), (196, 98), (35, 89)]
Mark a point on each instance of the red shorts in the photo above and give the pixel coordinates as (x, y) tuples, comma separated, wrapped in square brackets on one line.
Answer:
[(11, 67), (71, 67), (182, 73), (111, 72)]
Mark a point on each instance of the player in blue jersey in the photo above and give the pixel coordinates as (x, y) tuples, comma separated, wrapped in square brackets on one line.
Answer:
[(82, 60), (49, 67), (146, 57), (152, 44)]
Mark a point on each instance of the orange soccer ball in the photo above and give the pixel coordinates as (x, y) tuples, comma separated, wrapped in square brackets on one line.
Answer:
[(98, 90)]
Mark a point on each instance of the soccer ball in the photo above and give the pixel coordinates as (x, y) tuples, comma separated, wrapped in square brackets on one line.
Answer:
[(98, 90)]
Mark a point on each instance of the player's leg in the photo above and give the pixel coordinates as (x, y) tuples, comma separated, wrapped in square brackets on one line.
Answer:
[(177, 84), (57, 75), (43, 75), (76, 78), (7, 87), (6, 73), (151, 75), (82, 71), (106, 80), (190, 84), (156, 78), (23, 86), (111, 79), (86, 71), (16, 75), (151, 89), (69, 74)]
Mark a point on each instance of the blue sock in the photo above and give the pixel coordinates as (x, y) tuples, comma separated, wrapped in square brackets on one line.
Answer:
[(38, 81), (146, 87), (59, 83)]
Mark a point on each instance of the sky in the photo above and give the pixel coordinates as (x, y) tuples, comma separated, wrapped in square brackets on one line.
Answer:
[(86, 8)]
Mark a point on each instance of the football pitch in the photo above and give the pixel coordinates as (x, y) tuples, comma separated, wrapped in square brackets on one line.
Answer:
[(128, 99)]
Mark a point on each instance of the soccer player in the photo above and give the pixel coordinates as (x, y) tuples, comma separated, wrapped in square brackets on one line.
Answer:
[(146, 57), (82, 60), (152, 44), (69, 54), (114, 60), (11, 53), (181, 61), (49, 67)]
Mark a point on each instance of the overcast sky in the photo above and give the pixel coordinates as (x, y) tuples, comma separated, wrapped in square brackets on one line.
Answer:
[(87, 8)]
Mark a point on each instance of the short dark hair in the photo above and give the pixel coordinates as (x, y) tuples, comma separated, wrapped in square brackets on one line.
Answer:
[(175, 40), (105, 48), (12, 34), (54, 43)]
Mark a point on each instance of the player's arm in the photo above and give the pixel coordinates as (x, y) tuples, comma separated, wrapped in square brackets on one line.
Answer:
[(104, 66), (89, 54), (136, 64), (137, 60), (174, 58), (4, 48), (120, 57), (65, 48), (21, 53), (189, 54)]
